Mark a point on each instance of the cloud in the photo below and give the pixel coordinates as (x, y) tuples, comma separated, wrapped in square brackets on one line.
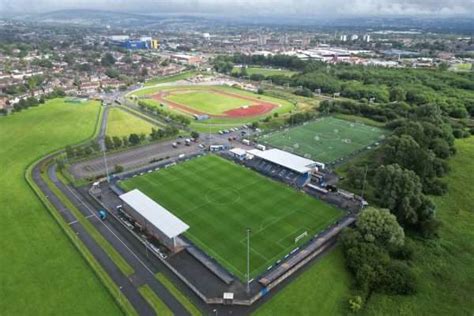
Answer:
[(257, 7)]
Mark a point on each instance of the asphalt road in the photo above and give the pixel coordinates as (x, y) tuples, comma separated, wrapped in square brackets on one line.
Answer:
[(144, 273), (124, 284)]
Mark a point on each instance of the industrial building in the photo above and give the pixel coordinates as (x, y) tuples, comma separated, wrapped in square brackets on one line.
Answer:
[(145, 42)]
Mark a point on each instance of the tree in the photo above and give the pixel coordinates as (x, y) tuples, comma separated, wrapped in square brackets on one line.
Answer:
[(243, 72), (194, 134), (69, 152), (400, 191), (112, 73), (380, 226), (125, 141), (397, 94), (117, 141), (118, 168), (109, 144), (107, 60), (134, 139)]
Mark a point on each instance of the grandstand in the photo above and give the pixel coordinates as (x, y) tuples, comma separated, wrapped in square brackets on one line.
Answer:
[(283, 165), (154, 218)]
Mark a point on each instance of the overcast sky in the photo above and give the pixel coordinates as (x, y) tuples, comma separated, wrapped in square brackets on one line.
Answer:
[(326, 8)]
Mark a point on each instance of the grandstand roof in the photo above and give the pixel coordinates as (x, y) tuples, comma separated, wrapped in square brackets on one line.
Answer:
[(238, 151), (154, 213), (285, 159)]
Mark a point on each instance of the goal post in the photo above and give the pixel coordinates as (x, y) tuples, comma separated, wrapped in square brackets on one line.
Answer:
[(299, 237)]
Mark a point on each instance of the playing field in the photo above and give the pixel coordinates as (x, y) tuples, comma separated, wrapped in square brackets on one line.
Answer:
[(219, 200), (121, 123), (215, 101), (37, 259), (208, 101), (327, 140)]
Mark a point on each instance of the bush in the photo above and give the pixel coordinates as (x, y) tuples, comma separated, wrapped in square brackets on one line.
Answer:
[(458, 133), (398, 279), (355, 303)]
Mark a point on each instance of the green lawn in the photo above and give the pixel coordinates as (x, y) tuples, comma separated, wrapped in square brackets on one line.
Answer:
[(321, 290), (41, 271), (180, 297), (207, 101), (180, 76), (158, 305), (326, 139), (466, 67), (266, 71), (219, 200), (121, 123)]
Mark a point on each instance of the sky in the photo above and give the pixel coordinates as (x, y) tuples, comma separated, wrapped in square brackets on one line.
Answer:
[(256, 7)]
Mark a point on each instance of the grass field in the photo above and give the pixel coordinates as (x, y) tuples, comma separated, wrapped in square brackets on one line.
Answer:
[(321, 290), (41, 272), (219, 200), (327, 139), (121, 123), (266, 71), (208, 101), (461, 67)]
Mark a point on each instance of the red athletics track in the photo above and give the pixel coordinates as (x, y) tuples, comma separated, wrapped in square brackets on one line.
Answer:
[(257, 108)]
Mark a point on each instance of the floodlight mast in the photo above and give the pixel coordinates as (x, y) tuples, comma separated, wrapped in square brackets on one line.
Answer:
[(105, 162), (248, 260)]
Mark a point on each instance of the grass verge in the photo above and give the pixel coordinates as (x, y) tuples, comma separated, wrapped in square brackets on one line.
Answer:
[(158, 305), (186, 302), (321, 290)]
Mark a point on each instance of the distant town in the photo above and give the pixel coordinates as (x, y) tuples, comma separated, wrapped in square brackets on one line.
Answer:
[(39, 59)]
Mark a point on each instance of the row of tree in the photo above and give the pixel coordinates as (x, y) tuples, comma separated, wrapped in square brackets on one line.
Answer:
[(82, 151), (157, 111), (452, 92), (116, 142), (25, 103)]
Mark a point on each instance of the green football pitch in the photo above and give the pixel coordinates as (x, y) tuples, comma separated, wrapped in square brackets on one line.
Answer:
[(208, 101), (219, 200), (326, 139)]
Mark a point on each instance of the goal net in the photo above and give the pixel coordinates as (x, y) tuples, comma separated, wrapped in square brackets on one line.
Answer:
[(303, 235)]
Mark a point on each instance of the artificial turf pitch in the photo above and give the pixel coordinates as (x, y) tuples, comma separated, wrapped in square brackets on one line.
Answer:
[(326, 139), (219, 200)]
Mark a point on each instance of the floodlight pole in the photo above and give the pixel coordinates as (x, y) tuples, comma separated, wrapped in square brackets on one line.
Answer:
[(363, 186), (248, 260), (105, 162)]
